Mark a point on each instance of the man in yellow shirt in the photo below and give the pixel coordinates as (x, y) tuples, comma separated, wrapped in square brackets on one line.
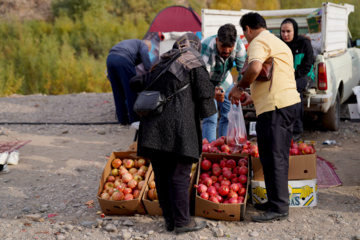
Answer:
[(276, 103)]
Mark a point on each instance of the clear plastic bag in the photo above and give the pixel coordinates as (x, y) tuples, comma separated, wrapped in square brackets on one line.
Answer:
[(236, 134)]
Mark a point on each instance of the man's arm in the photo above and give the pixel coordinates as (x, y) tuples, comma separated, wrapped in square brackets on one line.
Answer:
[(249, 77)]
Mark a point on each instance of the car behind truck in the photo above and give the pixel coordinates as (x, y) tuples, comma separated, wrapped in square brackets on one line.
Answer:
[(337, 64)]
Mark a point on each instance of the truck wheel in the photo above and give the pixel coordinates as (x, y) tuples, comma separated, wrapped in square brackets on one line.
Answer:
[(331, 119)]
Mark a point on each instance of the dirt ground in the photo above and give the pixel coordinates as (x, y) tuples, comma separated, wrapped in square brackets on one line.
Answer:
[(45, 195)]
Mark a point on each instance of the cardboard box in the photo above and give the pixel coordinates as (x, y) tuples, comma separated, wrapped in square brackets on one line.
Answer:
[(300, 167), (220, 211), (153, 207), (129, 207), (302, 193)]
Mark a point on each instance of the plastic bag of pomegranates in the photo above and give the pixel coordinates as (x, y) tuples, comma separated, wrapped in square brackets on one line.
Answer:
[(236, 134)]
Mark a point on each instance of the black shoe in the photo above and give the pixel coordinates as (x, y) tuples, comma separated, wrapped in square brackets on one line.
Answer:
[(169, 225), (269, 217), (263, 207), (192, 226)]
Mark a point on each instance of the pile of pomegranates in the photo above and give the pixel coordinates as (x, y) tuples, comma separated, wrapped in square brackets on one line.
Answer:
[(224, 181), (301, 148), (126, 179), (227, 145)]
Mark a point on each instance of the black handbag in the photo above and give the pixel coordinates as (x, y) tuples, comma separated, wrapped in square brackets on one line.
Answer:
[(149, 103)]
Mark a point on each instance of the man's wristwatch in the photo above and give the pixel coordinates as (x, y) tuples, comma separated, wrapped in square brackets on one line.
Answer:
[(239, 88)]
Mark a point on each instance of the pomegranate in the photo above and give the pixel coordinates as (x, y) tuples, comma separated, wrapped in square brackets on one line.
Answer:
[(108, 185), (205, 141), (116, 163), (208, 182), (152, 184), (129, 163), (233, 200), (232, 194), (217, 186), (136, 193), (220, 198), (110, 179), (133, 170), (214, 178), (121, 187), (214, 199), (231, 164), (152, 194), (127, 177), (242, 191), (242, 179), (216, 171), (225, 148), (224, 190), (132, 184), (141, 162), (105, 195), (127, 190), (203, 176), (243, 170), (205, 165), (140, 184), (117, 196), (235, 187), (211, 191), (201, 188), (129, 197), (225, 182), (138, 178), (115, 172), (223, 163), (220, 141), (204, 195), (241, 199), (227, 174)]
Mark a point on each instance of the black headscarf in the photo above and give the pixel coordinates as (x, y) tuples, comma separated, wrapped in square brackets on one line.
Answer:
[(184, 56), (296, 31)]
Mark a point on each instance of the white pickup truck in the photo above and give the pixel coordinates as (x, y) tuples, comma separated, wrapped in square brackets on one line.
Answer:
[(337, 64)]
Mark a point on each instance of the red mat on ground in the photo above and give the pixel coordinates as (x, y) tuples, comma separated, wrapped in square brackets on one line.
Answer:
[(326, 176), (12, 145)]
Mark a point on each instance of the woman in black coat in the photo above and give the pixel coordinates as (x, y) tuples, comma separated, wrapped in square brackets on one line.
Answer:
[(172, 140), (303, 64)]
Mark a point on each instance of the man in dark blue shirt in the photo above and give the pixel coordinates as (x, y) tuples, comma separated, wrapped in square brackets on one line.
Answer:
[(121, 63)]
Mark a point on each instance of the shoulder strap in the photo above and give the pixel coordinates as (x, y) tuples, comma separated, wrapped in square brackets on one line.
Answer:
[(181, 89), (162, 72)]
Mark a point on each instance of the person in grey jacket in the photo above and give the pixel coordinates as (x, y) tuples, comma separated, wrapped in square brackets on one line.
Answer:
[(121, 63), (172, 140)]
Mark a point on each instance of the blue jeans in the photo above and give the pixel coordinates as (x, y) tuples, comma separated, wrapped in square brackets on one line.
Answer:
[(120, 71), (209, 124)]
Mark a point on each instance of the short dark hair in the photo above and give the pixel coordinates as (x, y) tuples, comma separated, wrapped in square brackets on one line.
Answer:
[(253, 20), (227, 34)]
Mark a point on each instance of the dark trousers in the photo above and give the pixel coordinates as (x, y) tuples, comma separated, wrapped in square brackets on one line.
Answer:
[(120, 71), (172, 178), (300, 87), (274, 134)]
